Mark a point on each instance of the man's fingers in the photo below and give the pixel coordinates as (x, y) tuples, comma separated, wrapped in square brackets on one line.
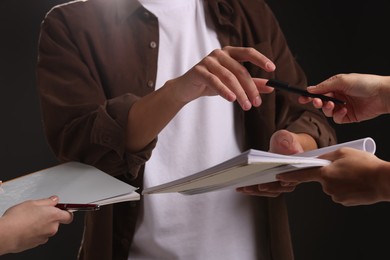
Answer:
[(234, 77), (66, 217), (307, 175), (226, 64), (272, 189), (243, 54), (52, 201)]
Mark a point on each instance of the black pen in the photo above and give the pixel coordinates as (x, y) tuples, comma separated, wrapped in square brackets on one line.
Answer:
[(285, 86), (77, 207)]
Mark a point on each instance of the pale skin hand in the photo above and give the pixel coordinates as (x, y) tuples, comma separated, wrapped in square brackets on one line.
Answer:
[(282, 142), (219, 73), (367, 96), (353, 178), (30, 224)]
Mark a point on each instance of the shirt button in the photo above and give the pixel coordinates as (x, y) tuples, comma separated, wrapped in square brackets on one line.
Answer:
[(106, 139), (150, 83), (146, 14), (153, 44)]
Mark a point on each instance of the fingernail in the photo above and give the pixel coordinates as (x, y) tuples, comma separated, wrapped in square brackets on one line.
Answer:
[(54, 198), (285, 143), (247, 105), (270, 66), (257, 101), (231, 97)]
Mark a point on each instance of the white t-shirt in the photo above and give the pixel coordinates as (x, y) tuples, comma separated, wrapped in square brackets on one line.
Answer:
[(215, 225)]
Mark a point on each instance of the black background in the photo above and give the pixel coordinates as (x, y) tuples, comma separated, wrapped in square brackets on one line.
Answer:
[(327, 37)]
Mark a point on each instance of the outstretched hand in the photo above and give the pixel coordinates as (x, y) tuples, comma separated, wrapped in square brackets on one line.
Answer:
[(354, 177), (363, 94)]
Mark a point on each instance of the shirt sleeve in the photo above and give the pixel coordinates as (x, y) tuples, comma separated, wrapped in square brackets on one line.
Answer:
[(80, 121)]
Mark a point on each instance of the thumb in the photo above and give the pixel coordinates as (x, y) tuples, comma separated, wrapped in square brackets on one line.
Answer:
[(329, 85), (331, 156), (51, 201), (55, 199), (321, 89)]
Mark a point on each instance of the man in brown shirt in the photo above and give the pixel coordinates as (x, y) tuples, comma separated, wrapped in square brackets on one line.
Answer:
[(97, 73)]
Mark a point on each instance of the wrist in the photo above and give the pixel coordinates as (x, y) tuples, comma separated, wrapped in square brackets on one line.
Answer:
[(8, 238), (383, 182), (176, 93), (385, 93)]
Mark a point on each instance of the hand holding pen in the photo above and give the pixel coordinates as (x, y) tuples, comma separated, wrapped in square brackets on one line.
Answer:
[(31, 223), (285, 86), (367, 96)]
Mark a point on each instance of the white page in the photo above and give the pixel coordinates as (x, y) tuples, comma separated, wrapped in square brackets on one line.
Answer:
[(365, 144), (72, 182)]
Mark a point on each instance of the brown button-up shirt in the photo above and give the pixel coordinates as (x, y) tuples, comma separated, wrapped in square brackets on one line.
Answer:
[(97, 57)]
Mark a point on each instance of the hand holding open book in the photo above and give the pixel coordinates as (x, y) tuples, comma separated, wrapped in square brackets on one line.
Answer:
[(72, 182)]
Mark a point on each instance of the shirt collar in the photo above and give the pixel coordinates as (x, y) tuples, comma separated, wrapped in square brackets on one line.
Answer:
[(126, 8)]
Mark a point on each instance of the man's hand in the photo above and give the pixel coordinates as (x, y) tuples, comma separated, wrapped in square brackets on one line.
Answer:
[(282, 142)]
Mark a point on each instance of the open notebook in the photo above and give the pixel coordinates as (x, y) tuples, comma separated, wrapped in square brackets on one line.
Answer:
[(252, 167), (72, 182)]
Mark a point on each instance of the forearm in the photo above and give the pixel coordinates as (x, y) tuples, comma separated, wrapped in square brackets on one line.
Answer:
[(6, 237), (385, 91), (149, 115), (3, 237), (383, 182)]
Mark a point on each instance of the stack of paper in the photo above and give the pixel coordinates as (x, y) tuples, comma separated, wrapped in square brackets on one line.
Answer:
[(252, 167)]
